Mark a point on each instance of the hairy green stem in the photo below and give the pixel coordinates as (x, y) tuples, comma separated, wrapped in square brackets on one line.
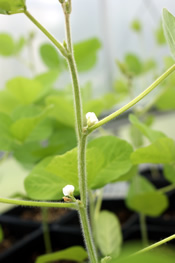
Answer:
[(87, 234), (83, 211), (134, 101), (52, 39), (157, 244), (46, 234), (37, 203), (143, 227), (82, 170)]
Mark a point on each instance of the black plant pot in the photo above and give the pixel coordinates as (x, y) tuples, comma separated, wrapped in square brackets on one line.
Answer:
[(29, 217), (30, 246)]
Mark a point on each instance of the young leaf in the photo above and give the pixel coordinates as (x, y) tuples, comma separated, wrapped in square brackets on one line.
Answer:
[(143, 198), (169, 30), (133, 63), (152, 135), (7, 45), (108, 232), (159, 34), (51, 57), (160, 151), (86, 54), (75, 253), (8, 7), (25, 90), (136, 26)]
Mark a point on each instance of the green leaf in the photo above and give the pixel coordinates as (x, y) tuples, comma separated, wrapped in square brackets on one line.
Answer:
[(121, 87), (7, 45), (133, 63), (7, 102), (148, 65), (129, 175), (136, 136), (6, 139), (22, 128), (166, 100), (19, 45), (65, 167), (136, 26), (95, 105), (60, 141), (51, 57), (108, 232), (1, 234), (169, 30), (169, 172), (25, 90), (159, 34), (75, 253), (111, 160), (160, 151), (43, 185), (152, 135), (143, 198), (102, 168), (63, 110), (168, 61), (8, 7), (86, 54), (48, 78)]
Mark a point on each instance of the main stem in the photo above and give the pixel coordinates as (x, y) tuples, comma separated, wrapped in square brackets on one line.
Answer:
[(83, 211)]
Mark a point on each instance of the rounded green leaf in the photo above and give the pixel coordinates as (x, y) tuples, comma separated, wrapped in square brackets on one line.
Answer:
[(75, 253), (133, 63), (151, 134), (143, 198), (51, 57), (7, 45), (43, 185), (86, 54), (112, 160), (8, 7), (161, 151), (62, 110), (136, 26), (108, 233), (25, 90)]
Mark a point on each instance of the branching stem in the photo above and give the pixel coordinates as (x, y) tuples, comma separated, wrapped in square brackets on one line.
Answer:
[(134, 101), (37, 203)]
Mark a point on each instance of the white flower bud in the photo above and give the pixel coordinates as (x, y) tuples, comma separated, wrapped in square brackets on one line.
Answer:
[(91, 119), (68, 190)]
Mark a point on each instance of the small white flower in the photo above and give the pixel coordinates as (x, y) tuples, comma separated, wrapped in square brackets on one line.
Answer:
[(68, 190), (91, 119)]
